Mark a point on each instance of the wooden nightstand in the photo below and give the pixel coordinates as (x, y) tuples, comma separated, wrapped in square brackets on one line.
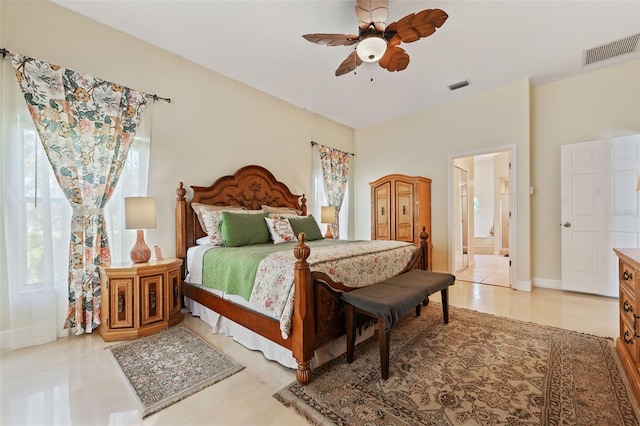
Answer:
[(139, 299)]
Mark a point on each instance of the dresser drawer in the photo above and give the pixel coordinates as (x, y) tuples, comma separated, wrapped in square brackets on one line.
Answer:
[(628, 306), (628, 277), (627, 336)]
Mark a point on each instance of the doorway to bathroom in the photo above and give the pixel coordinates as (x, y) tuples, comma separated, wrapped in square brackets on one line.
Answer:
[(481, 218)]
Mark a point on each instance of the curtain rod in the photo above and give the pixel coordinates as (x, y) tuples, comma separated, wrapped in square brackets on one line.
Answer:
[(5, 52), (156, 97), (316, 143)]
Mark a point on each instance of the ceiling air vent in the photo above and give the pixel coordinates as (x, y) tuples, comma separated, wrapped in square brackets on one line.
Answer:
[(610, 50), (460, 85)]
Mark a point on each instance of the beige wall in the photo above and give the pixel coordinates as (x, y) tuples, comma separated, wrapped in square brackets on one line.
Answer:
[(424, 143), (213, 125), (593, 106)]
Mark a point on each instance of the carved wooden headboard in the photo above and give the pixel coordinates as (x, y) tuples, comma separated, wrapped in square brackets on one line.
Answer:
[(250, 187)]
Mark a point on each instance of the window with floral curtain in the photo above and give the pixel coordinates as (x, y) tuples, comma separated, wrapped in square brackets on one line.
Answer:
[(330, 185), (35, 223)]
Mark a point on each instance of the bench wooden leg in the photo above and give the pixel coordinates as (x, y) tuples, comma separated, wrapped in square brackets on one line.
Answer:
[(351, 331), (445, 304), (383, 342)]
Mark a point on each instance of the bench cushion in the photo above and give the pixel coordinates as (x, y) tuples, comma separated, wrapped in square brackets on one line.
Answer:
[(386, 301), (393, 298), (418, 278)]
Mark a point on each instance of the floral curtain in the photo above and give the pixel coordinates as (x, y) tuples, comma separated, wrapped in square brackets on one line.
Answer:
[(86, 126), (335, 171)]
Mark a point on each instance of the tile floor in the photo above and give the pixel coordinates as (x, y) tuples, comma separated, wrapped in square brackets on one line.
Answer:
[(74, 380), (487, 269)]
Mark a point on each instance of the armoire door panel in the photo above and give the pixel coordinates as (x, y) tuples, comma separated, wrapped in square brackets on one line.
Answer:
[(404, 199), (382, 212)]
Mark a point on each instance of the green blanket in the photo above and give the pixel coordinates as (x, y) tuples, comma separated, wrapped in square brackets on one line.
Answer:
[(233, 269)]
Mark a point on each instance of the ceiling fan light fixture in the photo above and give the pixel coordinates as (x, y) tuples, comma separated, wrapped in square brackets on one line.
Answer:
[(371, 48)]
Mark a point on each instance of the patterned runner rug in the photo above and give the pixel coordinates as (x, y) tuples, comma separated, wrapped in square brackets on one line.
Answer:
[(477, 370), (168, 366)]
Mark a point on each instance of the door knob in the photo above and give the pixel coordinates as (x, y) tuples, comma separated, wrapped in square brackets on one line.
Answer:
[(566, 224)]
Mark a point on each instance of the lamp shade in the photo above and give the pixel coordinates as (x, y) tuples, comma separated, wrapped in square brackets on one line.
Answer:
[(140, 212), (328, 214), (371, 49)]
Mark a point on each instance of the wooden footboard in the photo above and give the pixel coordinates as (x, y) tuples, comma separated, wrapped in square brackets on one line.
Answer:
[(318, 316)]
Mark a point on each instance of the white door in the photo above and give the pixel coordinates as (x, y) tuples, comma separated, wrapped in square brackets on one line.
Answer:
[(600, 210)]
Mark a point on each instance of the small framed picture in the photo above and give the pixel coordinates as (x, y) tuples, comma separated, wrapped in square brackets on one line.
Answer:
[(157, 252)]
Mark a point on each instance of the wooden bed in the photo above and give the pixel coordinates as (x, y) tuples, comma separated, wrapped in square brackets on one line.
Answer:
[(318, 316)]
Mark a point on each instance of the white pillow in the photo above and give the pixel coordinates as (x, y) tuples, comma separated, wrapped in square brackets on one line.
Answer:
[(280, 230), (281, 210), (203, 241), (199, 208)]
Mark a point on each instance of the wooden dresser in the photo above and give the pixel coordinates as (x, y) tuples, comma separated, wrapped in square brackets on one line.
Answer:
[(400, 208), (627, 344)]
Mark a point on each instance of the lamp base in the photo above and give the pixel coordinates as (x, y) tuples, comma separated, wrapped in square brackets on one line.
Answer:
[(140, 252), (328, 234)]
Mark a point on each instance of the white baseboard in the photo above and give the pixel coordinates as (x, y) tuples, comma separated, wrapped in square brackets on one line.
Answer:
[(522, 285), (547, 283)]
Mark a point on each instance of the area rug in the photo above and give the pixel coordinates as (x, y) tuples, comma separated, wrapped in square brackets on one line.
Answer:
[(477, 370), (169, 366)]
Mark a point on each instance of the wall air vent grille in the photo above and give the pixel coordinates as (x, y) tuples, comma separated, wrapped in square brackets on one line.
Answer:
[(460, 85), (611, 50)]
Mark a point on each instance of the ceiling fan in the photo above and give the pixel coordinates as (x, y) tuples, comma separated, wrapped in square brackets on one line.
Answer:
[(378, 42)]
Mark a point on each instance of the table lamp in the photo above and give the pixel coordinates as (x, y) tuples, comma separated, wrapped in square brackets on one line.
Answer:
[(140, 214), (328, 216)]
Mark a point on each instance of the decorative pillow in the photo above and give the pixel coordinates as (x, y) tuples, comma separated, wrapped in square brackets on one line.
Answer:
[(281, 210), (200, 208), (243, 229), (308, 225), (280, 230), (213, 219), (283, 215)]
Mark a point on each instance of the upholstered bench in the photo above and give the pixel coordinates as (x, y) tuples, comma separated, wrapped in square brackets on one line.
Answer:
[(389, 301)]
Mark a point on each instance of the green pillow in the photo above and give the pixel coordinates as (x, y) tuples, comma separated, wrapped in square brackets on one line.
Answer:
[(243, 229), (308, 225)]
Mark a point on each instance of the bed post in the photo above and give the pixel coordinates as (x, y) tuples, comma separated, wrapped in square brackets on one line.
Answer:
[(424, 247), (302, 328), (303, 204)]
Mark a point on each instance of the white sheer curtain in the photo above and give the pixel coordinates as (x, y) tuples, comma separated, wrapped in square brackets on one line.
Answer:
[(34, 224), (319, 198), (132, 183)]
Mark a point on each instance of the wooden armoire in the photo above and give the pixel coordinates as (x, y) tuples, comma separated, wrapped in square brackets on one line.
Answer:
[(400, 207)]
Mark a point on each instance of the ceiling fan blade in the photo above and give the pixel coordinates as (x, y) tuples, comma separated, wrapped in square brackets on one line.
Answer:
[(373, 12), (349, 64), (394, 59), (332, 39), (418, 25)]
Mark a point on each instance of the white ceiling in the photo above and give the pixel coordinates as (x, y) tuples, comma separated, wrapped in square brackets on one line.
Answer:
[(259, 43)]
